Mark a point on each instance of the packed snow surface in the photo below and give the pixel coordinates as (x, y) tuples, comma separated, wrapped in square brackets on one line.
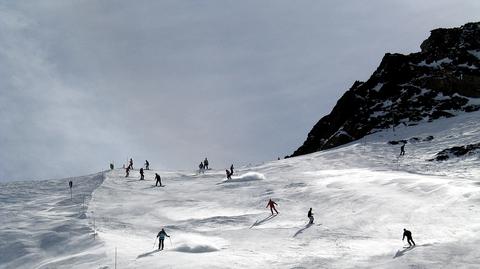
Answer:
[(43, 225), (362, 194)]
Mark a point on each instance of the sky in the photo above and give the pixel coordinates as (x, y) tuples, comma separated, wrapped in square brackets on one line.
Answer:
[(85, 82)]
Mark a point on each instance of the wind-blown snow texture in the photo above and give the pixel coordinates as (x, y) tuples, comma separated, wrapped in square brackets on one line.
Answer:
[(42, 227), (362, 196)]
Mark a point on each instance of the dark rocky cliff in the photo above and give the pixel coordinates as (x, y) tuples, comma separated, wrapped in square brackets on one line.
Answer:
[(441, 80)]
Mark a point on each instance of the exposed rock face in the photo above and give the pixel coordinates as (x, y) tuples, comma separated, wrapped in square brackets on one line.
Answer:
[(440, 81), (457, 152)]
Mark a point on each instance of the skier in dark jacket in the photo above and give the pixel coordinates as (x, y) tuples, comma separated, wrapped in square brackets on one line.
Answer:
[(272, 205), (130, 164), (147, 165), (205, 163), (402, 150), (408, 234), (161, 236), (141, 174), (111, 166), (127, 171), (310, 216), (201, 168), (231, 170), (159, 179), (229, 175)]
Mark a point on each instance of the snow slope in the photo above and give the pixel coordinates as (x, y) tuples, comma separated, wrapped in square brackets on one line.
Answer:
[(362, 196), (41, 226)]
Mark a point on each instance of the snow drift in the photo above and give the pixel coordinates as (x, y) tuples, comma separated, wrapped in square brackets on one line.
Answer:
[(249, 176), (195, 249)]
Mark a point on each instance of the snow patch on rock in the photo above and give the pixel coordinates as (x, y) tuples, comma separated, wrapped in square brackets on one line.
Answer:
[(475, 53), (435, 64)]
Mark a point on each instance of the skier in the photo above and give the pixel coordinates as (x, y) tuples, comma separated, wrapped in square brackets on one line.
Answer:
[(71, 186), (147, 165), (272, 204), (310, 216), (111, 166), (200, 166), (141, 174), (402, 150), (229, 175), (231, 170), (161, 236), (205, 163), (408, 234), (127, 171), (130, 164), (159, 179)]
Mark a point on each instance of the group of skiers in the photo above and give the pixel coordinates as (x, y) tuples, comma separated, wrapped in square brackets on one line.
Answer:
[(129, 167), (203, 166), (271, 204), (229, 172), (406, 233), (147, 167)]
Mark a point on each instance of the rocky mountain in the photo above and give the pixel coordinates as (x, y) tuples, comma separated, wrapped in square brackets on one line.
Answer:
[(457, 151), (441, 80)]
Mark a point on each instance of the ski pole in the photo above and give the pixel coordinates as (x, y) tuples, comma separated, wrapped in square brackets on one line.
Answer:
[(171, 245), (154, 242)]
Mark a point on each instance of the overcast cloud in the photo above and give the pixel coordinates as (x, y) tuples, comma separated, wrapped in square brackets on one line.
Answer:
[(84, 83)]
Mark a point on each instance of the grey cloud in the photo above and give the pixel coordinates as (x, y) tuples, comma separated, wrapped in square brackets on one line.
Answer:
[(84, 83)]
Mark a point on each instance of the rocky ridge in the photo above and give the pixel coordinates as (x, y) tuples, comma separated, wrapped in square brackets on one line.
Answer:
[(442, 80), (459, 151)]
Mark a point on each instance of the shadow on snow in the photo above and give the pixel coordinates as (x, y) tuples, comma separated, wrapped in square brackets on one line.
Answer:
[(147, 254), (303, 229), (400, 253), (260, 222)]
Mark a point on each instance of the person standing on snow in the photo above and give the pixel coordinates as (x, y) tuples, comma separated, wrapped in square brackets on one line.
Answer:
[(200, 167), (147, 165), (408, 234), (159, 180), (229, 175), (205, 163), (310, 216), (402, 150), (127, 171), (141, 174), (161, 237), (231, 170), (272, 205), (130, 164)]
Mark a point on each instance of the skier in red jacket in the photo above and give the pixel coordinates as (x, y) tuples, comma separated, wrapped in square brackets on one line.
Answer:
[(272, 204)]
